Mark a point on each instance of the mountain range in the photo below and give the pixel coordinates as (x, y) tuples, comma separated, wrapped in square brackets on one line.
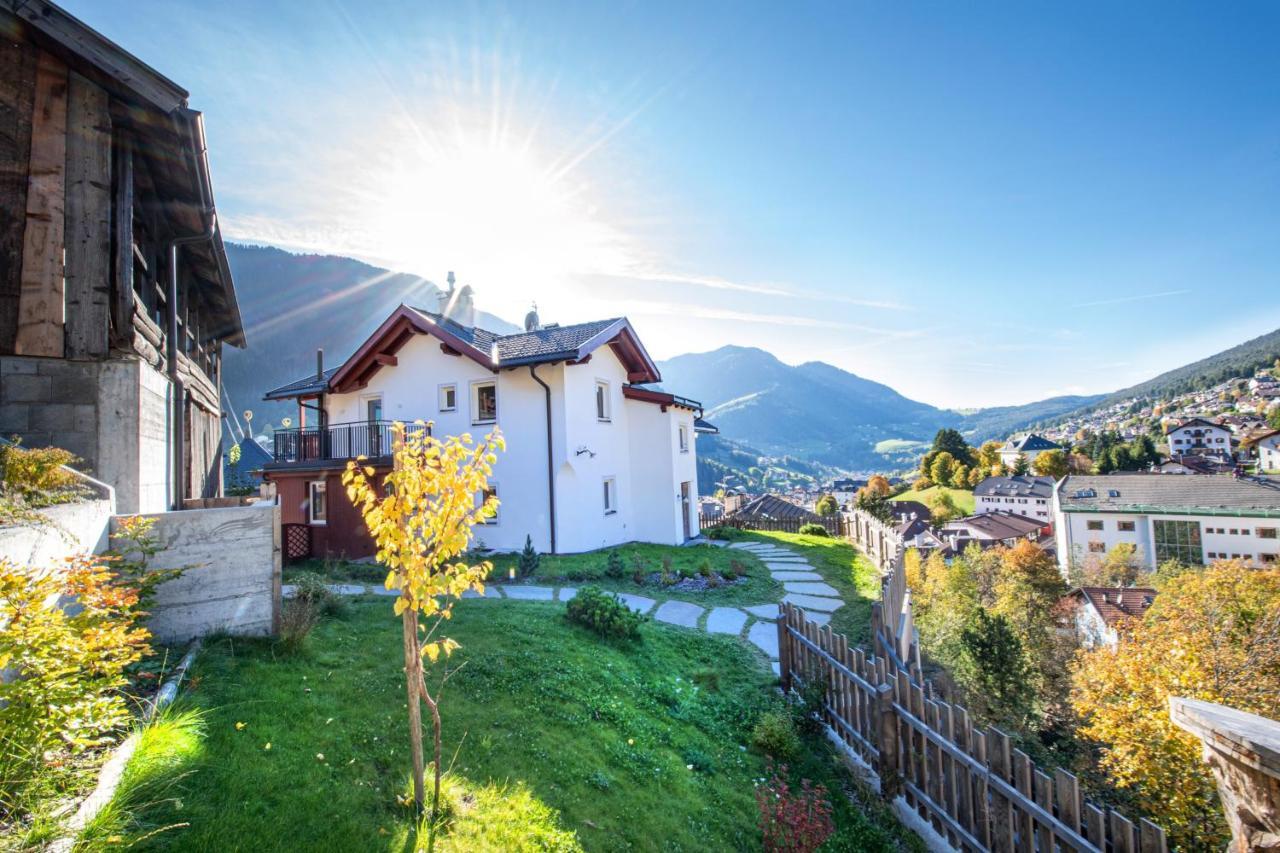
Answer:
[(795, 422)]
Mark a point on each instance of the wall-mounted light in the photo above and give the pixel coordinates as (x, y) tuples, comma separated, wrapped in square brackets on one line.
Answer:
[(582, 450)]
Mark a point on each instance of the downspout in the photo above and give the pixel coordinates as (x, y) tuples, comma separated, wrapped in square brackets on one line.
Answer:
[(198, 153), (551, 474)]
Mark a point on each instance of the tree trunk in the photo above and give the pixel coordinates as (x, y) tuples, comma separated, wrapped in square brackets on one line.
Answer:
[(434, 707), (414, 685)]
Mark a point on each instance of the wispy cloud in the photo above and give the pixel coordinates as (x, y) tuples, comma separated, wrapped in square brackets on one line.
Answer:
[(761, 288), (707, 312), (1137, 297)]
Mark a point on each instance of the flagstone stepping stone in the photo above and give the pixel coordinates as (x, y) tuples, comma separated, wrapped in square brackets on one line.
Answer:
[(567, 594), (489, 592), (763, 611), (788, 566), (726, 620), (382, 590), (638, 603), (813, 602), (530, 593), (680, 613), (796, 576), (744, 546), (808, 588), (817, 618), (764, 636)]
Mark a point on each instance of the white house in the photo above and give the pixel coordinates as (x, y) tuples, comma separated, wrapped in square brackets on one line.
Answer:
[(1193, 519), (1198, 435), (593, 457), (1024, 495), (1101, 609), (1268, 447), (1030, 446)]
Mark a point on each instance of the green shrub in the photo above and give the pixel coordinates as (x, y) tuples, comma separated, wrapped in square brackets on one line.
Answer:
[(529, 559), (738, 568), (812, 529), (810, 705), (311, 588), (613, 567), (698, 761), (704, 568), (33, 479), (604, 613), (298, 617), (775, 734)]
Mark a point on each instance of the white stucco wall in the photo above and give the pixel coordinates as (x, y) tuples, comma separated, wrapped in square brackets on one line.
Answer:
[(1269, 453), (1030, 507), (1183, 440)]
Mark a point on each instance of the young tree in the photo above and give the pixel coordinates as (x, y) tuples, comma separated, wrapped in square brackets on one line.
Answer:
[(941, 467), (976, 475), (943, 507), (951, 441), (879, 485), (960, 477), (529, 558), (995, 667), (421, 522), (827, 505), (1213, 634), (1051, 463), (989, 456), (1020, 465)]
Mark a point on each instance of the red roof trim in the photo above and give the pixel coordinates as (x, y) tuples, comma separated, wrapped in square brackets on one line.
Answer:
[(393, 334), (661, 398)]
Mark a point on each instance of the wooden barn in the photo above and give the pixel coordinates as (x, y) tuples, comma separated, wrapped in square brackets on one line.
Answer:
[(115, 295)]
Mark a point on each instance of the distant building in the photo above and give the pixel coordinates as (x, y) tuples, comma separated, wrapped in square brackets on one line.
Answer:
[(1100, 610), (846, 491), (1198, 435), (1192, 519), (906, 510), (774, 508), (1030, 446), (1268, 447), (1193, 464), (999, 527), (1023, 494)]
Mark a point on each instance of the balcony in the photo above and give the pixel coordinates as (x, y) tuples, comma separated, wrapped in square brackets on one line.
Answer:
[(333, 445)]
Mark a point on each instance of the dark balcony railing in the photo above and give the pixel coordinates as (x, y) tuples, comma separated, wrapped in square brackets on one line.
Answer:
[(371, 439)]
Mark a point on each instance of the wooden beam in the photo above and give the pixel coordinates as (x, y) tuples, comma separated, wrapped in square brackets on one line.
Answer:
[(17, 94), (386, 359), (448, 350), (126, 250), (88, 219), (40, 306)]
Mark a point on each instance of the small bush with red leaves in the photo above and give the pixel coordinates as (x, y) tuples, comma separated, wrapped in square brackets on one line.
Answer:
[(794, 820)]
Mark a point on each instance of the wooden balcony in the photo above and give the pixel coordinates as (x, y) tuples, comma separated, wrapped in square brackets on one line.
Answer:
[(334, 444)]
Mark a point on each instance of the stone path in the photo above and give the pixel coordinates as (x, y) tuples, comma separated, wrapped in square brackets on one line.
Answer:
[(803, 587)]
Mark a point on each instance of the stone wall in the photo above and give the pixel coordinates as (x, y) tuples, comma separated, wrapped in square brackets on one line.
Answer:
[(51, 401), (234, 582)]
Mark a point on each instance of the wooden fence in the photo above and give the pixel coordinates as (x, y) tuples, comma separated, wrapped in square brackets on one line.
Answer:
[(834, 524), (970, 784)]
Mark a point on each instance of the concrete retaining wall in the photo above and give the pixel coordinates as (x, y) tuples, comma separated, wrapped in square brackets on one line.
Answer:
[(72, 529), (235, 583)]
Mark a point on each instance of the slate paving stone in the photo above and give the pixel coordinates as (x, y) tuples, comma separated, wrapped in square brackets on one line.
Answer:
[(763, 611), (764, 636), (811, 588), (817, 618), (726, 620), (638, 603), (567, 594), (489, 592), (813, 602), (796, 576), (788, 566), (530, 593), (680, 613)]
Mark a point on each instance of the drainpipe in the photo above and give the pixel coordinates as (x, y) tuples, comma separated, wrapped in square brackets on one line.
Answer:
[(198, 154), (551, 474)]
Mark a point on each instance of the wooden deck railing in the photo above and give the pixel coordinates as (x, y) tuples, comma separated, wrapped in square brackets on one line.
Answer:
[(834, 524), (971, 784)]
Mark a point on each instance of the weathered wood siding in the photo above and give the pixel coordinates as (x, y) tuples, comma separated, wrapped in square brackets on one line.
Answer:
[(17, 93), (235, 583), (88, 219)]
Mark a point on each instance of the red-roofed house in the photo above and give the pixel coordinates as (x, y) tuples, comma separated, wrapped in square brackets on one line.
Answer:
[(1100, 609)]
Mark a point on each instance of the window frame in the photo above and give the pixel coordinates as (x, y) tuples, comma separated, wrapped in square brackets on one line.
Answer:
[(603, 401), (610, 495), (475, 387), (440, 392), (492, 489), (311, 503), (1132, 526), (1095, 524), (682, 437), (1266, 533)]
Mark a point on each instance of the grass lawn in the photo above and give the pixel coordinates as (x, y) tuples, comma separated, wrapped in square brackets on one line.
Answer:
[(555, 740), (840, 565), (757, 587), (963, 499)]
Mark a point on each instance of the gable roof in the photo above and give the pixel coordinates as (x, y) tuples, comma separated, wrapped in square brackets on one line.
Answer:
[(1031, 441), (999, 525), (492, 350), (774, 507), (901, 510), (1116, 603), (1204, 422), (1209, 494), (1018, 486)]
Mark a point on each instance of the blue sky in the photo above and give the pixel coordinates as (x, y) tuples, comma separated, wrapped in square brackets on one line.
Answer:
[(975, 204)]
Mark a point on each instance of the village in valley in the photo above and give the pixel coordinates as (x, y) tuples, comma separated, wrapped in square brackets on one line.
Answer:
[(283, 570)]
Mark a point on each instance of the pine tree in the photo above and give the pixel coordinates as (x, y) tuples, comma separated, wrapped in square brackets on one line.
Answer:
[(529, 558)]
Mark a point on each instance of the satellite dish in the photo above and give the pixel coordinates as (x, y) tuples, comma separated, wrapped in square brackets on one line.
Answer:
[(248, 414)]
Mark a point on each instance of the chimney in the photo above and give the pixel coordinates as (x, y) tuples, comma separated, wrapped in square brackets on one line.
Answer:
[(319, 365)]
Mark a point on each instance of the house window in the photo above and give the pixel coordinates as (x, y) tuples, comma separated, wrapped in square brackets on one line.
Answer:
[(491, 492), (1234, 531), (602, 400), (684, 439), (1267, 558), (317, 505), (484, 402), (1126, 526), (1094, 525), (1266, 533), (1097, 548), (610, 495), (448, 398), (1178, 540)]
